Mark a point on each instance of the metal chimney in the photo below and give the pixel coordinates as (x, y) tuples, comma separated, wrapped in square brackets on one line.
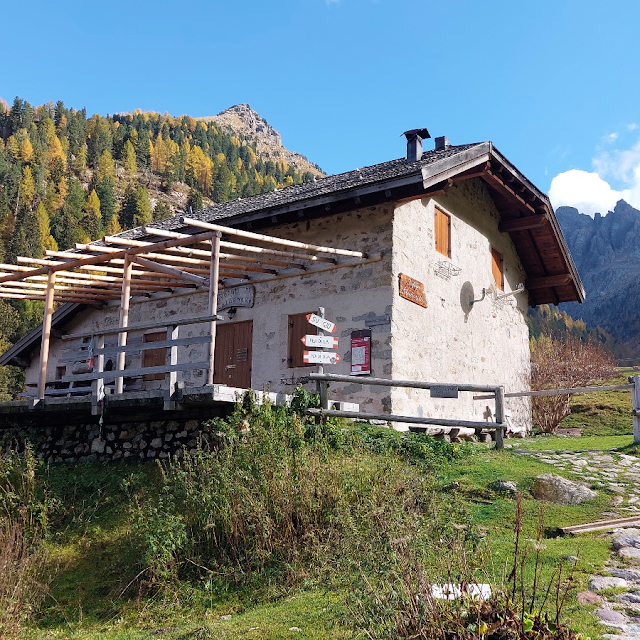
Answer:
[(442, 142), (414, 143)]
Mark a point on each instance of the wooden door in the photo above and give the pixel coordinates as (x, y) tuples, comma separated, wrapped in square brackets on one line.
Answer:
[(155, 357), (232, 364)]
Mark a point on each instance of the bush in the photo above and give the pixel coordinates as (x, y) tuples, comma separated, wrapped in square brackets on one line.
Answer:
[(276, 493), (564, 363)]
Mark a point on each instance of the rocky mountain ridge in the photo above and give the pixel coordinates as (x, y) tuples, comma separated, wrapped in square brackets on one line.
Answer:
[(242, 119), (606, 250)]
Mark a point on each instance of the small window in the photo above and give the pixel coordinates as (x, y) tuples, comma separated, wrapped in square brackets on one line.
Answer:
[(443, 233), (61, 372), (155, 357), (497, 269), (298, 327)]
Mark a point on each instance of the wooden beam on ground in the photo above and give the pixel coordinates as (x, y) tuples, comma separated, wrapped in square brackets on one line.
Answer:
[(270, 239), (170, 271), (521, 224), (548, 281), (46, 334), (602, 525)]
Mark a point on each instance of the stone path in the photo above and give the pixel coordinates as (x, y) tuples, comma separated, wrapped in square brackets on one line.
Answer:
[(619, 474)]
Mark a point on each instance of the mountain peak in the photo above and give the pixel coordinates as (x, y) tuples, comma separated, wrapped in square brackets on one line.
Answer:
[(244, 120)]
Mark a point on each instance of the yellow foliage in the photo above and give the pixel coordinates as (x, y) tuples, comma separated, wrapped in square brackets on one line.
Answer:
[(27, 186), (50, 131), (13, 146), (63, 189), (106, 166), (202, 168), (47, 241), (62, 125), (251, 158), (56, 151), (92, 205), (130, 158), (235, 141), (238, 164), (113, 226), (26, 150), (221, 158)]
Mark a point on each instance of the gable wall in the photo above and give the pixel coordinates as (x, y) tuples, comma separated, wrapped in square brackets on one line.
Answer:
[(449, 341)]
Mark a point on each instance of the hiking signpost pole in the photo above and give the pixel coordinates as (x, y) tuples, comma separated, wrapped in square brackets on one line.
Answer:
[(322, 385)]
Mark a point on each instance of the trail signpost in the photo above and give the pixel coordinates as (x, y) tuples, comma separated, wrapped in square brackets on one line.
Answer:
[(321, 323), (327, 342), (321, 357)]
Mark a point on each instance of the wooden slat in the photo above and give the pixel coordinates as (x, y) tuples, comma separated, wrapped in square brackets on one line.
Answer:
[(132, 373), (548, 281), (520, 224)]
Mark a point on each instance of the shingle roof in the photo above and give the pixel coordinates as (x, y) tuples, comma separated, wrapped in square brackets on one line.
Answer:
[(302, 193)]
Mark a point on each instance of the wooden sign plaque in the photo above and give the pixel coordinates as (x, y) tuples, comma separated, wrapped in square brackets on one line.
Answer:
[(413, 290)]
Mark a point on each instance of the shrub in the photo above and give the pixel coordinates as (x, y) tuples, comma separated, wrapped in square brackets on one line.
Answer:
[(564, 363), (276, 493)]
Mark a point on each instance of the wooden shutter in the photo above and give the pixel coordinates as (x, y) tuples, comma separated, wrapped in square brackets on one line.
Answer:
[(443, 233), (298, 327), (496, 269), (155, 357)]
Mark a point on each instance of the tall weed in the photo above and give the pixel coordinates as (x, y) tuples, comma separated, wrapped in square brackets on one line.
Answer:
[(274, 493)]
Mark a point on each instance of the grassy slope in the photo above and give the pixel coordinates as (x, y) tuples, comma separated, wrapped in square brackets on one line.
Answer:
[(91, 548)]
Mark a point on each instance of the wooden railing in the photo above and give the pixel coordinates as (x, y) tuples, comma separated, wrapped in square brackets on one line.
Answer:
[(499, 426), (96, 351)]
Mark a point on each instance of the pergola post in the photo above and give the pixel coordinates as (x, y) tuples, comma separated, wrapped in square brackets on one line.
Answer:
[(124, 318), (214, 275), (46, 333)]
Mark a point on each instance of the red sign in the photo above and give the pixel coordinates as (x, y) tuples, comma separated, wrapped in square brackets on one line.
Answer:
[(361, 353)]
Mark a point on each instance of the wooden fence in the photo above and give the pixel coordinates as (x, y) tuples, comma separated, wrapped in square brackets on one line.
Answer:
[(499, 426), (95, 352)]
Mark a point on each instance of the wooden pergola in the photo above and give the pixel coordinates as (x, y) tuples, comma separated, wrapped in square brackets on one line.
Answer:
[(119, 268)]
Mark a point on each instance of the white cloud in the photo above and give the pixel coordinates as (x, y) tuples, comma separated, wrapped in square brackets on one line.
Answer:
[(590, 193), (585, 191)]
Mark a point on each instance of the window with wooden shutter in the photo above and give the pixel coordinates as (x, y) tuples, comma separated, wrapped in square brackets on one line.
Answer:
[(155, 357), (443, 233), (298, 327), (496, 269)]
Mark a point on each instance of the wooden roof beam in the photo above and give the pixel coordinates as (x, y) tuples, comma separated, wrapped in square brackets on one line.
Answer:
[(548, 281), (270, 239), (170, 271), (521, 224)]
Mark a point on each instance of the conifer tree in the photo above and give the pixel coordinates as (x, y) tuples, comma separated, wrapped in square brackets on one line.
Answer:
[(80, 163), (128, 210), (106, 192), (26, 151), (144, 213), (46, 240), (106, 166), (27, 187), (92, 219), (162, 211), (129, 159), (101, 140), (113, 226), (194, 203)]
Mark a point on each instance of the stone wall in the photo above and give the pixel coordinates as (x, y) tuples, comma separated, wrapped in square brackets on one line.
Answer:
[(91, 442), (450, 341)]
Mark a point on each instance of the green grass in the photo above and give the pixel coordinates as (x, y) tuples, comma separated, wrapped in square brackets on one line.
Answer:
[(91, 550), (603, 412)]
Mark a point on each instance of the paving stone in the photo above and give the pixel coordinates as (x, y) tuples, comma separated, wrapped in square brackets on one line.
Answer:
[(611, 617), (599, 583), (631, 575), (629, 553), (633, 597), (588, 597)]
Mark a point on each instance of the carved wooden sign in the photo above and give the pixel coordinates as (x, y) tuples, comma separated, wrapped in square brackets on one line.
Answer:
[(412, 289), (242, 296)]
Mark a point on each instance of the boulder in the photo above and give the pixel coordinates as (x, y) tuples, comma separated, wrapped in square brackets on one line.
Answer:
[(611, 617), (630, 553), (554, 488), (626, 538), (504, 486)]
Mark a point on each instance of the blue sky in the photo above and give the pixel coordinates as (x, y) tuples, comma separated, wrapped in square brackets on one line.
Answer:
[(554, 84)]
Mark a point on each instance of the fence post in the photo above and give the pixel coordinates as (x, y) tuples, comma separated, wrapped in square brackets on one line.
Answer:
[(97, 386), (171, 377), (635, 404), (499, 414)]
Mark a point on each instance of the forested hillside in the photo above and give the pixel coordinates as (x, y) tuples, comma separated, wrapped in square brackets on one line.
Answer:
[(66, 178)]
